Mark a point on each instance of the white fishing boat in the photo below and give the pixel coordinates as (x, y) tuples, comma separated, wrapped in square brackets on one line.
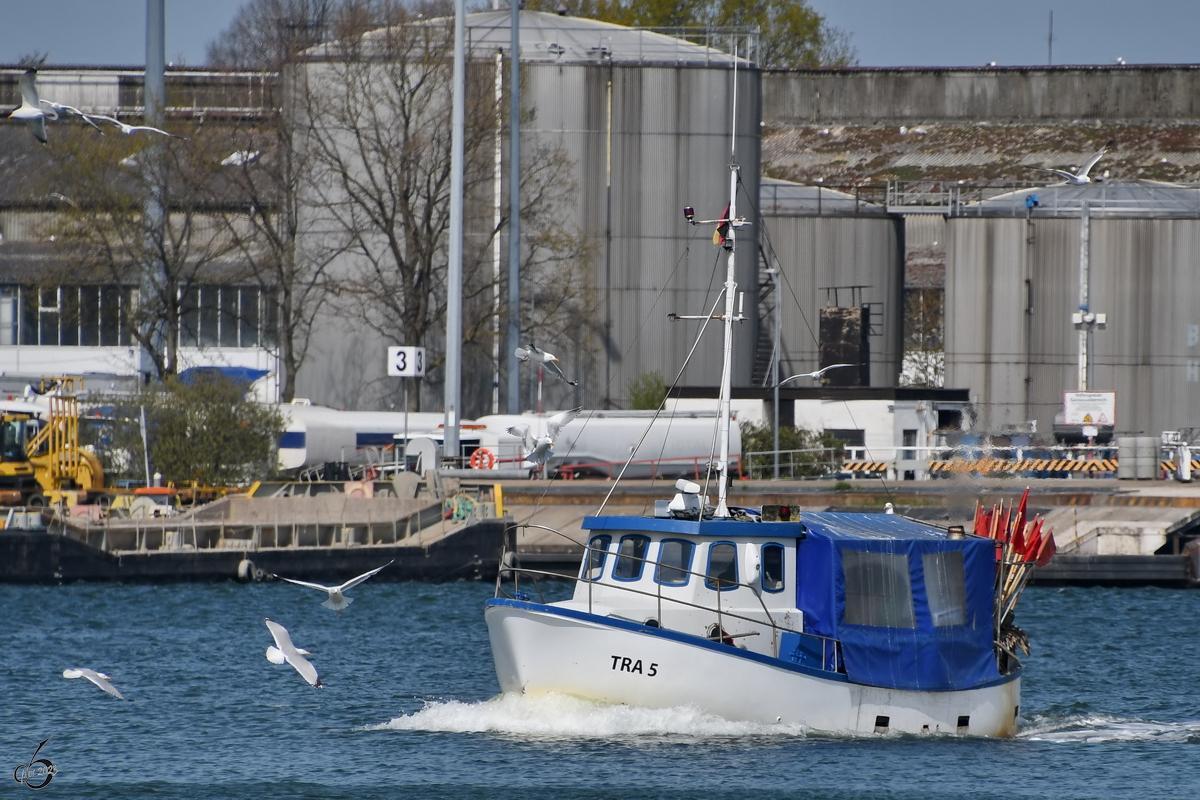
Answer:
[(852, 623)]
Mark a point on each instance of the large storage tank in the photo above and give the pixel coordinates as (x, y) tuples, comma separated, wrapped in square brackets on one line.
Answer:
[(834, 250), (1013, 282), (645, 121)]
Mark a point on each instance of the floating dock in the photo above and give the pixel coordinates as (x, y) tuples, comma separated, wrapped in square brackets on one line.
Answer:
[(328, 538)]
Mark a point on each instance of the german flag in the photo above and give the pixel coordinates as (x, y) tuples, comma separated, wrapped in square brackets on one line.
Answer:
[(721, 233)]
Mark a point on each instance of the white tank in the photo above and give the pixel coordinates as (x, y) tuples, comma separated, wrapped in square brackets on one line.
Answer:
[(313, 435), (598, 443)]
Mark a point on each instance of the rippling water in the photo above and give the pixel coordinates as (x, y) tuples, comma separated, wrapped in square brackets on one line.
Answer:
[(409, 707)]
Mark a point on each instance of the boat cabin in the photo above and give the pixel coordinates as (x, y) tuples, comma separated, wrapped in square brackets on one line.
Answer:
[(877, 598)]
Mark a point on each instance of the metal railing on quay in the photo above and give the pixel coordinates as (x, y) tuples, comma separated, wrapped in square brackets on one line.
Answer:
[(933, 461), (829, 645)]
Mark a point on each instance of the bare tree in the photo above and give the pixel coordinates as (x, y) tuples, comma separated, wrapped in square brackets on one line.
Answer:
[(378, 106), (100, 185)]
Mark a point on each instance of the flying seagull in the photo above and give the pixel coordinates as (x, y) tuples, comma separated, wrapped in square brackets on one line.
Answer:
[(816, 373), (286, 652), (337, 601), (540, 356), (55, 110), (127, 129), (538, 449), (30, 109), (1080, 177), (98, 678)]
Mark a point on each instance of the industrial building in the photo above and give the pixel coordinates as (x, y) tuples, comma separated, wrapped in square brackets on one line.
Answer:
[(644, 121), (885, 187)]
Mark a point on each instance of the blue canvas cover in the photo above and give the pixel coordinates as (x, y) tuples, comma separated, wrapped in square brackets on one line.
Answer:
[(884, 642)]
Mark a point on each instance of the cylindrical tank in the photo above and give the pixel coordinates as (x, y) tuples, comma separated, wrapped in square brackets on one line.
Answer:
[(1146, 459)]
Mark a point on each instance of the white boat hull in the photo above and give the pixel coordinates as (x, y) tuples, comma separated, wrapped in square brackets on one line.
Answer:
[(540, 649)]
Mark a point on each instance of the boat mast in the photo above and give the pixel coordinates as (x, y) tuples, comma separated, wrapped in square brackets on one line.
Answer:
[(723, 411)]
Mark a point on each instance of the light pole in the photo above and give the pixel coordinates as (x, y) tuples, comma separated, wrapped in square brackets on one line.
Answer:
[(814, 374)]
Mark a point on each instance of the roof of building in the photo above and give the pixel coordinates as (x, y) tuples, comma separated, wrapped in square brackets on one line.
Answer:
[(788, 198), (1118, 198), (561, 39)]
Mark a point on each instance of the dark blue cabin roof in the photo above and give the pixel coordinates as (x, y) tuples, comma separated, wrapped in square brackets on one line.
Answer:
[(834, 525)]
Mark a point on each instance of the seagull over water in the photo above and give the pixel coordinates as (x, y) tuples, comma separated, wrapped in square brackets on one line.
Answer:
[(98, 678), (336, 600), (538, 449), (284, 652), (1080, 177), (548, 360)]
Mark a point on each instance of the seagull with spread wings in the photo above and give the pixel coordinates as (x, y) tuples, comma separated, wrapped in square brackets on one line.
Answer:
[(548, 360), (337, 600), (98, 678), (284, 652), (538, 449), (30, 110), (1080, 177), (815, 373), (56, 110), (129, 129)]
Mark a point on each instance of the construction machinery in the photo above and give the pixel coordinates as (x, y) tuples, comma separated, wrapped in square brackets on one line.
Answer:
[(41, 462)]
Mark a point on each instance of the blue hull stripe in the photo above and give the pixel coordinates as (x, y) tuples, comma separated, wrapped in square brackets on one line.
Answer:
[(696, 641)]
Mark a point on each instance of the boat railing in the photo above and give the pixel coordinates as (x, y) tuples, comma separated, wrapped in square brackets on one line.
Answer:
[(830, 649)]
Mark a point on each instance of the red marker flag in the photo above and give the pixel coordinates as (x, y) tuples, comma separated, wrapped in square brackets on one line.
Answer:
[(1047, 550)]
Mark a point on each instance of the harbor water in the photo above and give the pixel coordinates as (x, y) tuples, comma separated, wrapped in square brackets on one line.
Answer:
[(1110, 707)]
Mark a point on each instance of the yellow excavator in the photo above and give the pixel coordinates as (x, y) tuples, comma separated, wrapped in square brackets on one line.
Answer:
[(44, 464)]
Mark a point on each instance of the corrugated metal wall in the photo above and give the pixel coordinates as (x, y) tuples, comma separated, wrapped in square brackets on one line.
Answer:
[(670, 149), (816, 252), (1011, 288)]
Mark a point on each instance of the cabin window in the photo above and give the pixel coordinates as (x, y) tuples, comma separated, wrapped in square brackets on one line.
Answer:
[(946, 587), (631, 554), (772, 567), (597, 551), (722, 567), (878, 589), (674, 562)]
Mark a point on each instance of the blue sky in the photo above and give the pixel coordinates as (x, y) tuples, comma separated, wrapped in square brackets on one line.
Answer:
[(885, 32)]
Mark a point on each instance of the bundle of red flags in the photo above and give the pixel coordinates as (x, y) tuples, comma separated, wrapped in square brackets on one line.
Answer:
[(1013, 532)]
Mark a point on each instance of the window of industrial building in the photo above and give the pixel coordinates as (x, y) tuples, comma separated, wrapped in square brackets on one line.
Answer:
[(878, 589), (227, 316), (65, 315), (910, 440), (946, 587), (631, 555), (949, 419), (850, 438)]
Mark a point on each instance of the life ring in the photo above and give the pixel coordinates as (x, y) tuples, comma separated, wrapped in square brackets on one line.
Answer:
[(482, 459)]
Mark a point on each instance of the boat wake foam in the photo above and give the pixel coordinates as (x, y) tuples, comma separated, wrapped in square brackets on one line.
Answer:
[(1102, 728), (561, 716)]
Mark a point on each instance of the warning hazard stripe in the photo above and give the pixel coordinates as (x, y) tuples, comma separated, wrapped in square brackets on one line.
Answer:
[(1027, 465), (865, 466), (1169, 466)]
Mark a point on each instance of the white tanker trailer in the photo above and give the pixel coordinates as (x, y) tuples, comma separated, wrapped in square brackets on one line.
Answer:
[(598, 443), (314, 435)]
